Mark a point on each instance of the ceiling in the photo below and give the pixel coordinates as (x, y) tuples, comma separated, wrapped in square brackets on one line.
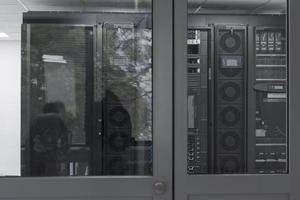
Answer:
[(11, 18), (11, 10)]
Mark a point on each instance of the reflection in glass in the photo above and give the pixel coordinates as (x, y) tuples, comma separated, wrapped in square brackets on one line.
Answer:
[(53, 97), (81, 117), (125, 101)]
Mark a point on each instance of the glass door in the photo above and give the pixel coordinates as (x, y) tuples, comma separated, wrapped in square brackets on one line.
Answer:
[(233, 85), (92, 125)]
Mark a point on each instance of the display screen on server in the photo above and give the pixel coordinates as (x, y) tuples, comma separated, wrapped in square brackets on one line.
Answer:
[(237, 91), (87, 98)]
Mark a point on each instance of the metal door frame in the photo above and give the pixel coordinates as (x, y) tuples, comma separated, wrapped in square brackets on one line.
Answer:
[(250, 186), (121, 187)]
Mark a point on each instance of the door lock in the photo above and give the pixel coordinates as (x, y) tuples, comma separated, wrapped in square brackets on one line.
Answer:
[(159, 187)]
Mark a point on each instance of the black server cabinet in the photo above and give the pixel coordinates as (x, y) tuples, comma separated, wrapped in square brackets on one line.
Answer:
[(199, 47), (230, 83), (217, 101)]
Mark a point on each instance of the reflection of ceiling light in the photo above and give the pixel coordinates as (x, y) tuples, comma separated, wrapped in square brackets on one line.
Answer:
[(54, 59), (3, 35)]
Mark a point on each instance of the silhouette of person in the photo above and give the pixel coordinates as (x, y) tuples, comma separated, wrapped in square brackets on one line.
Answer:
[(48, 140)]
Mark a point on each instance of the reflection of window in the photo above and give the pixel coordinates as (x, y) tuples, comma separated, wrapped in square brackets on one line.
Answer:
[(58, 73)]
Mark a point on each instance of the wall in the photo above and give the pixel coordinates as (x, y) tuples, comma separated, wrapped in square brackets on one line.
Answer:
[(10, 111)]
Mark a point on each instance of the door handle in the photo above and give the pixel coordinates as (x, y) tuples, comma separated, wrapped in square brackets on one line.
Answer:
[(159, 187)]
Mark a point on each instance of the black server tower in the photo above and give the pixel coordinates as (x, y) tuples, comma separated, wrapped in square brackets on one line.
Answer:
[(230, 75)]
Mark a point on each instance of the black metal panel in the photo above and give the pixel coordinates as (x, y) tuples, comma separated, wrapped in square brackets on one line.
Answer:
[(229, 92)]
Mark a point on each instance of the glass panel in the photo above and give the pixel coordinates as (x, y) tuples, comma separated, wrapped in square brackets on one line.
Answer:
[(85, 118), (54, 98), (237, 87)]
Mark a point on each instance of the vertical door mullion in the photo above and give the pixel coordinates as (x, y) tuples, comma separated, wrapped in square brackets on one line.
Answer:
[(180, 99), (294, 97), (162, 93)]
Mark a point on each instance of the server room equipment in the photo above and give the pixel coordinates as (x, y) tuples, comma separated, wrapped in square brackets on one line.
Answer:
[(117, 129), (229, 98), (216, 99), (199, 41), (271, 101), (224, 136), (120, 152)]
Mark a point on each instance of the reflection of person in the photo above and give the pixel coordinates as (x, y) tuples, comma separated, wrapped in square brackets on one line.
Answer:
[(48, 140)]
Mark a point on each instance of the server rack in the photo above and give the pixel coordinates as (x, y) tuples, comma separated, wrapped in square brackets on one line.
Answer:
[(271, 100), (259, 153), (199, 81)]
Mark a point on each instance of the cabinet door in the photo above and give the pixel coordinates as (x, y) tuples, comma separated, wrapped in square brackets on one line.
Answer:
[(95, 119), (235, 86)]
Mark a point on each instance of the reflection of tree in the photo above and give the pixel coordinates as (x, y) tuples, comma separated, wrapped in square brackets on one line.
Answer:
[(128, 71)]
